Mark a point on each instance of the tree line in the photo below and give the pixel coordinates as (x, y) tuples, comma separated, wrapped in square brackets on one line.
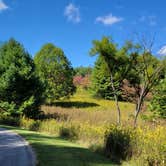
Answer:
[(26, 82)]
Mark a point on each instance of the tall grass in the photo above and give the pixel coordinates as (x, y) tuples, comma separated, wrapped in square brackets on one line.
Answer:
[(142, 146), (92, 122), (83, 108)]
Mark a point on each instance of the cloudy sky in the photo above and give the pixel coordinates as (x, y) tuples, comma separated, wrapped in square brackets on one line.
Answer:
[(73, 24)]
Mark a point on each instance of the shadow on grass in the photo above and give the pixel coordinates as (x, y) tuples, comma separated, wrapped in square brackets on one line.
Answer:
[(55, 115), (76, 104), (54, 151)]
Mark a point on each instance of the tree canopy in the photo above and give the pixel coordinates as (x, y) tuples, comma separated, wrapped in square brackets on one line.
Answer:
[(158, 103), (116, 63), (83, 71), (56, 71), (100, 84), (20, 88)]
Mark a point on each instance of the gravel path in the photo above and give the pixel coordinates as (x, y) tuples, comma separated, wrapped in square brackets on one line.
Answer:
[(14, 150)]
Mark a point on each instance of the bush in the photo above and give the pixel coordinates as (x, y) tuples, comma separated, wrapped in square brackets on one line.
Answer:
[(30, 124), (8, 120), (35, 126), (118, 143), (69, 132)]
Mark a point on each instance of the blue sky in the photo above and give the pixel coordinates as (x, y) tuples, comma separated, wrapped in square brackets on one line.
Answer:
[(73, 24)]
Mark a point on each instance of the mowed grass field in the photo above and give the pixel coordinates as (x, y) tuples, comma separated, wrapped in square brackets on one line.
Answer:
[(55, 151)]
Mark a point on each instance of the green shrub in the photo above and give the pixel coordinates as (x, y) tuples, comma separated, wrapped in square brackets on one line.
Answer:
[(30, 124), (35, 125), (8, 120), (118, 143), (70, 132)]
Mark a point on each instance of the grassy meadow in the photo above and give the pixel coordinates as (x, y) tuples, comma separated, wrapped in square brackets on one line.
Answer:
[(112, 112), (82, 107), (82, 130), (88, 120)]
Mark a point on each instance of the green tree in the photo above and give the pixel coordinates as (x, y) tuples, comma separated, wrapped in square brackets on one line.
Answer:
[(158, 103), (117, 64), (100, 80), (83, 71), (145, 74), (20, 88), (56, 71)]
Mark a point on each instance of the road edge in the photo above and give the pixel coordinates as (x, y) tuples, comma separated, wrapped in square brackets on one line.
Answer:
[(30, 149)]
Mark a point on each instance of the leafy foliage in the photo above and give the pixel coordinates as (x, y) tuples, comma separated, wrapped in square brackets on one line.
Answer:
[(20, 88), (117, 63), (83, 71), (55, 70), (158, 103), (118, 143), (101, 85), (82, 81), (111, 61), (146, 72)]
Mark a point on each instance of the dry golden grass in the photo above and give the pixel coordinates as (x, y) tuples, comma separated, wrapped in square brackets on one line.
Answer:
[(83, 108), (79, 115)]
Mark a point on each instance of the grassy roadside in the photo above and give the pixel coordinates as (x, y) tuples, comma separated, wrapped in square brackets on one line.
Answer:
[(54, 151)]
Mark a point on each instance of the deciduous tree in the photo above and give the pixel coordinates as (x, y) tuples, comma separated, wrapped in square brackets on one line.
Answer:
[(116, 61), (56, 71), (145, 73)]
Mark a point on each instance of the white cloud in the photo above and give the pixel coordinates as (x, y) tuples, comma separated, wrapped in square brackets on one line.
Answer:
[(72, 13), (162, 51), (109, 19), (3, 6)]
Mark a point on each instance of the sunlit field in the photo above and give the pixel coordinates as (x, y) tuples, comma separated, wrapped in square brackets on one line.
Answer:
[(82, 107), (83, 82)]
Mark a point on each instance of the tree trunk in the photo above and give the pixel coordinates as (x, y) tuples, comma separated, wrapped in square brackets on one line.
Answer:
[(136, 114), (116, 101), (118, 110), (138, 107)]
